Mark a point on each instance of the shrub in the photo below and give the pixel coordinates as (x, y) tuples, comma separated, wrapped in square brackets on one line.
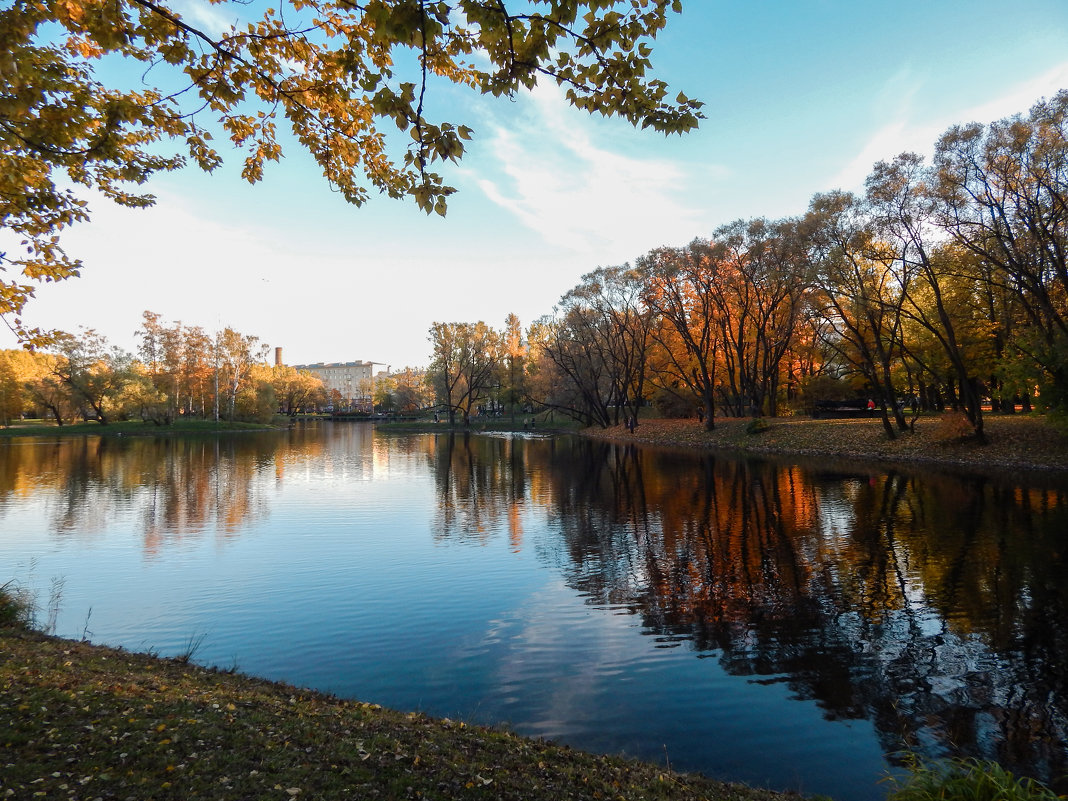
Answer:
[(16, 607), (953, 427), (966, 780), (757, 425)]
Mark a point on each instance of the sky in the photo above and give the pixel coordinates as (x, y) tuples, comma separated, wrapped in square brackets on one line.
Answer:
[(801, 97)]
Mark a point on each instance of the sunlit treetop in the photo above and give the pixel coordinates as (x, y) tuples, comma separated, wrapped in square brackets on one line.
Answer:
[(327, 69)]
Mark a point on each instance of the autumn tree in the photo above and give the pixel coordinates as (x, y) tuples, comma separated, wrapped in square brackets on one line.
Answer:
[(465, 365), (48, 392), (103, 96), (408, 389), (596, 344), (11, 392), (296, 390), (858, 295), (256, 398), (93, 372), (762, 275), (235, 356), (183, 365), (902, 211), (18, 368), (1002, 193), (161, 353), (514, 353), (678, 287)]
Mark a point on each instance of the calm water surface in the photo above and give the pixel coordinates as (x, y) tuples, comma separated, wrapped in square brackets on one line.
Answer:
[(786, 625)]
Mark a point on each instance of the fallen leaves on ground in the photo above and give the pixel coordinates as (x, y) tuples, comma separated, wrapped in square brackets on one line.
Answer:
[(80, 721), (1013, 441)]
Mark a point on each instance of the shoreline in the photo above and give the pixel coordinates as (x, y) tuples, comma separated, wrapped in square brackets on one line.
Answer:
[(90, 721), (1015, 442)]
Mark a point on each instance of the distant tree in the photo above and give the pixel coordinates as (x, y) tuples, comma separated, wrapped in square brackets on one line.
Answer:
[(384, 399), (410, 391), (593, 350), (296, 390), (93, 373), (570, 370), (17, 369), (903, 216), (466, 359), (51, 394), (256, 399), (11, 391), (235, 355), (514, 351)]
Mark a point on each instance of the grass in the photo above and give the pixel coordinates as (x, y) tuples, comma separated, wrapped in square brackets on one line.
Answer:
[(128, 428), (966, 780), (85, 721), (16, 607)]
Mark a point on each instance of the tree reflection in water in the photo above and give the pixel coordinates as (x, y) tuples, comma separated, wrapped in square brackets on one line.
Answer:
[(178, 486), (934, 605)]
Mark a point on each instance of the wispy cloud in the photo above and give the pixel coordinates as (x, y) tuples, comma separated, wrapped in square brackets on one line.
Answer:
[(557, 177), (209, 18), (910, 129)]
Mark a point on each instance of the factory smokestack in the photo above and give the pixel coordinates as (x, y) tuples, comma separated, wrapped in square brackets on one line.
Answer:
[(277, 357)]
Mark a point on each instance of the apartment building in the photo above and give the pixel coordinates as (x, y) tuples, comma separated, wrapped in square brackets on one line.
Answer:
[(354, 381)]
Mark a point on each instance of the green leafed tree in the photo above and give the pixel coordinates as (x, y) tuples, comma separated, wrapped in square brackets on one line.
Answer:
[(103, 94)]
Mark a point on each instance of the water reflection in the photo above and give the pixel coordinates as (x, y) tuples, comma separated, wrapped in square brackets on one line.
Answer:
[(935, 606), (484, 484), (176, 487)]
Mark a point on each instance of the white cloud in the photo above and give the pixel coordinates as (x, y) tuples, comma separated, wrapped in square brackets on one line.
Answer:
[(366, 292), (907, 130), (204, 16), (552, 172)]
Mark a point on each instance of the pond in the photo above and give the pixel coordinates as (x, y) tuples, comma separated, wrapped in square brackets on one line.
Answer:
[(797, 626)]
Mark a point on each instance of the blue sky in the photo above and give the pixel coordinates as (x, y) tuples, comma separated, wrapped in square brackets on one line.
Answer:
[(801, 97)]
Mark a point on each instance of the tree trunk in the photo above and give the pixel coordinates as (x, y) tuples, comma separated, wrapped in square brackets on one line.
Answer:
[(887, 425)]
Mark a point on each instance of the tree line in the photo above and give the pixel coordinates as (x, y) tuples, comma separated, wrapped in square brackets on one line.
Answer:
[(943, 285), (178, 371)]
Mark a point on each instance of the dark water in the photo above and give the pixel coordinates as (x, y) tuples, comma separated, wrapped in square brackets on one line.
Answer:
[(796, 626)]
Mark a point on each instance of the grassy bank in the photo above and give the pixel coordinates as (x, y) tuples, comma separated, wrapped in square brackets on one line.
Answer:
[(542, 423), (1014, 441), (130, 428), (83, 721)]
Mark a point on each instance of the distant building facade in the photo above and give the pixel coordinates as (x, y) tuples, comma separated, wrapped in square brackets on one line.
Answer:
[(353, 381)]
